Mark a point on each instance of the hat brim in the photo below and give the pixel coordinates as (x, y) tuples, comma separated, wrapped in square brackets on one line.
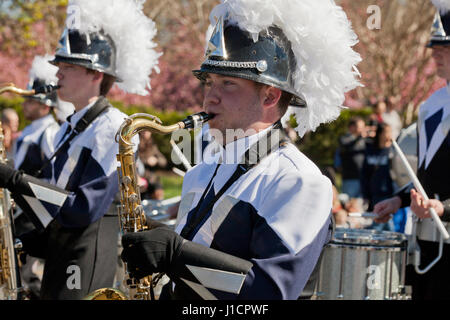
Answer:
[(437, 42), (246, 74), (85, 63)]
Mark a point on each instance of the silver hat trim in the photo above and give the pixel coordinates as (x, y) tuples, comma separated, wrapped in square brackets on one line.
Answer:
[(92, 58), (440, 38), (259, 65)]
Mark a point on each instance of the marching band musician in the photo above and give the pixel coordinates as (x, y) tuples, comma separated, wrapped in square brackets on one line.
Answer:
[(35, 146), (79, 240), (255, 229), (433, 172)]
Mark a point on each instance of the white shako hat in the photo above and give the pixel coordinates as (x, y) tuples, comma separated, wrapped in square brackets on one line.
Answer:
[(303, 47), (440, 29), (111, 36)]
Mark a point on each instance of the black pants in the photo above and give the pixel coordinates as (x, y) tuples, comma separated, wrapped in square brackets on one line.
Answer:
[(30, 280), (434, 284)]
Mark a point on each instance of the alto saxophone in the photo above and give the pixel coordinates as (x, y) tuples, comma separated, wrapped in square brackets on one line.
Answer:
[(132, 217), (10, 282), (10, 287)]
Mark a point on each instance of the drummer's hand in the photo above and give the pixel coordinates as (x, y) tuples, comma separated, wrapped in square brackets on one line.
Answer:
[(384, 209), (421, 207)]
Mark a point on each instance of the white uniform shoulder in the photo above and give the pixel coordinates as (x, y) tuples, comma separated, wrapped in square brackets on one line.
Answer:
[(296, 201), (439, 98), (294, 158), (102, 135)]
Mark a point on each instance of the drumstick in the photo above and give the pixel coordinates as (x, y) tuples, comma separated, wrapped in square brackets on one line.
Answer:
[(419, 188), (180, 155), (363, 214)]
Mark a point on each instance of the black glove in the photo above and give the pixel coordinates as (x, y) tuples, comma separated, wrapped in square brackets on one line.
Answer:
[(6, 175), (163, 250), (150, 251), (14, 180)]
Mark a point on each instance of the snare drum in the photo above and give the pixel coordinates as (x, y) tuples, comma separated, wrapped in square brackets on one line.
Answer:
[(155, 210), (360, 264)]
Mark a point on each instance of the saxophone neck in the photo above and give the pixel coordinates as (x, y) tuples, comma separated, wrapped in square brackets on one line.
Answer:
[(140, 122), (45, 89)]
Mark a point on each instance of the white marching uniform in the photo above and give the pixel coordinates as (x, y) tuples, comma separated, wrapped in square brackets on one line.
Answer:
[(276, 215), (81, 226), (433, 172), (35, 145)]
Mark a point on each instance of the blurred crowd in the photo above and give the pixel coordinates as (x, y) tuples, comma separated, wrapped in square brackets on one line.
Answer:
[(364, 161)]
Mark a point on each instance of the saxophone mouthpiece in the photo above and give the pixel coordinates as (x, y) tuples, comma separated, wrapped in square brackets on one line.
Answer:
[(46, 89), (196, 119)]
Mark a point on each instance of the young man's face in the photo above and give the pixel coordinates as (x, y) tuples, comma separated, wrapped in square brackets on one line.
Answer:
[(441, 55), (235, 103), (74, 81)]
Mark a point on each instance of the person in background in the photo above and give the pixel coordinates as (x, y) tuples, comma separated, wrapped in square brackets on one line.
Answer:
[(350, 157), (10, 126), (75, 216), (376, 117), (433, 172), (392, 118), (376, 181), (33, 148)]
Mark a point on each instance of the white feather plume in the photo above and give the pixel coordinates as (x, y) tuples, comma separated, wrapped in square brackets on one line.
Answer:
[(132, 33), (442, 5), (322, 40), (43, 70)]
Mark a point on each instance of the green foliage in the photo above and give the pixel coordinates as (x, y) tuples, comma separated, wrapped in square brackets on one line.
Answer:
[(19, 30), (172, 185), (321, 145)]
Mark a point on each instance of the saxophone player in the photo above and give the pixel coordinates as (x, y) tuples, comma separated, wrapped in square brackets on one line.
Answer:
[(254, 217), (33, 147), (77, 224)]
